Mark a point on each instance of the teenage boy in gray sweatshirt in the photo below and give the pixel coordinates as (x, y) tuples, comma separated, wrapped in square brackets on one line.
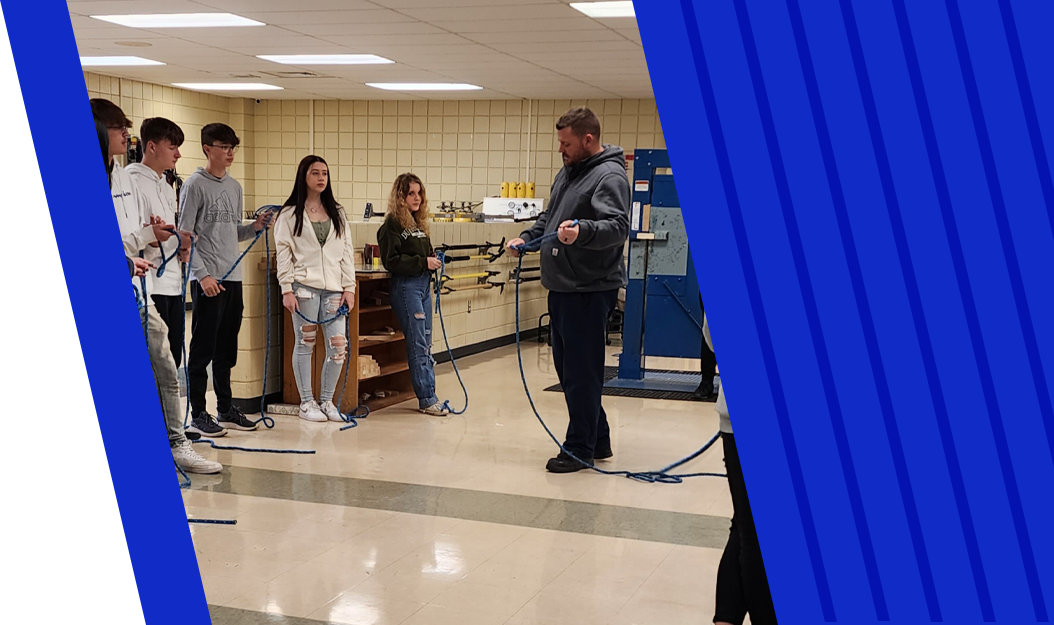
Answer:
[(211, 207), (583, 270)]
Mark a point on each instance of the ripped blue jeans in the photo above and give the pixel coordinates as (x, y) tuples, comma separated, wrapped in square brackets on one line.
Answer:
[(412, 304), (310, 301)]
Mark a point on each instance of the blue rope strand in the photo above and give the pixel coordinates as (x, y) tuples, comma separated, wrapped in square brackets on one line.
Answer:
[(439, 310), (259, 450), (213, 521), (661, 476)]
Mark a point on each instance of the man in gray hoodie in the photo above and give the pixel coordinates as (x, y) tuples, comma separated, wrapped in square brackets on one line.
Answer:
[(210, 204), (583, 270)]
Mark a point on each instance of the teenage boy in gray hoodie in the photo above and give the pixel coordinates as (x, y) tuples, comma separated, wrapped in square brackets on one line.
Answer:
[(210, 203), (583, 270)]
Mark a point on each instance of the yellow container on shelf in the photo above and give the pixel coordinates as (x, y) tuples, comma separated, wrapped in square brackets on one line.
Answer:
[(521, 189), (530, 189), (505, 189)]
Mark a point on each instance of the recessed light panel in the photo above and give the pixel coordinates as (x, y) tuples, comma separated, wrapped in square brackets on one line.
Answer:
[(179, 20)]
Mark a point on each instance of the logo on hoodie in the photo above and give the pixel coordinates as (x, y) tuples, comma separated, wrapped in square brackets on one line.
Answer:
[(222, 211)]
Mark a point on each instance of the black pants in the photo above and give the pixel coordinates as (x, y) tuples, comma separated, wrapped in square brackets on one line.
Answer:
[(578, 323), (214, 340), (174, 313), (707, 360), (742, 586)]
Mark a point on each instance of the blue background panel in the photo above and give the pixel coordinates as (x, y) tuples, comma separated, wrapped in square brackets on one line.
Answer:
[(873, 203)]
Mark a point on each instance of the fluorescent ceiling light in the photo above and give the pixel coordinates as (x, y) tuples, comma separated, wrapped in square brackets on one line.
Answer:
[(605, 9), (226, 86), (324, 59), (422, 86), (116, 61), (179, 20)]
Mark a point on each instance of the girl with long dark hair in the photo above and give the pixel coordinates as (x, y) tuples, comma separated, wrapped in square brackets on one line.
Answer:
[(316, 271), (406, 253)]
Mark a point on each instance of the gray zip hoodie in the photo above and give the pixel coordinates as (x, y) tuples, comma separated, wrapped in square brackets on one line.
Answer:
[(596, 192), (211, 208)]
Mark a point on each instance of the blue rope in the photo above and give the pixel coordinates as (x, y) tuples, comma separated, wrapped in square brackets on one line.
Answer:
[(184, 482), (267, 421), (213, 521), (663, 475), (164, 259), (441, 255), (259, 233), (259, 450), (351, 418)]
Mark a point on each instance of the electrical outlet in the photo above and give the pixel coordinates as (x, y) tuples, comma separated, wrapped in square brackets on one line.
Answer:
[(470, 305)]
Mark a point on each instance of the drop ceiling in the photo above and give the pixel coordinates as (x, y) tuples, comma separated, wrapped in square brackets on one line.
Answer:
[(512, 48)]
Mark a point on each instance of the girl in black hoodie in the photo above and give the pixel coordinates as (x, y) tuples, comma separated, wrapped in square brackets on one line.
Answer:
[(406, 253)]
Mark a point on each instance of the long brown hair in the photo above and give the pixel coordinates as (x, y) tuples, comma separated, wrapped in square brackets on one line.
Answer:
[(398, 209), (299, 196)]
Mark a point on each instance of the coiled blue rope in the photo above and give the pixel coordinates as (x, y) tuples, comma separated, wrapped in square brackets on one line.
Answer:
[(439, 310), (662, 476)]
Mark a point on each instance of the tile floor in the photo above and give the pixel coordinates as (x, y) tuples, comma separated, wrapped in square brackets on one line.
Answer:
[(303, 553)]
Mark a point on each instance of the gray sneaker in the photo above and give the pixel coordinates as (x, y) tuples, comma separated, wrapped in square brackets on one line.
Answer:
[(235, 419), (436, 410), (206, 425)]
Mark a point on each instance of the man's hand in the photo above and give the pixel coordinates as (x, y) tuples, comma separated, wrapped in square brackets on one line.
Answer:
[(211, 287), (513, 245), (263, 221), (567, 232), (434, 263), (141, 266), (290, 303)]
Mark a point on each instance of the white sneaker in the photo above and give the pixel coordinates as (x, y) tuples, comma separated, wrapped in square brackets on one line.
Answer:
[(436, 410), (193, 462), (331, 412), (309, 411)]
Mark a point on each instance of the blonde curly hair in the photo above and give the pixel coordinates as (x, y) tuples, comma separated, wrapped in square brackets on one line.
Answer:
[(398, 208)]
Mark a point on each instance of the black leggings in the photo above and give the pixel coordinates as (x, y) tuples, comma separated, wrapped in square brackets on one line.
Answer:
[(742, 586), (707, 359)]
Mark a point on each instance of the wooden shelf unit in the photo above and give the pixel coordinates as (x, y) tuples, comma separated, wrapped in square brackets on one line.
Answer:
[(389, 351)]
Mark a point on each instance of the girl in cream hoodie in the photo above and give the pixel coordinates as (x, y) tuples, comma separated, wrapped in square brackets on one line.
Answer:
[(316, 271)]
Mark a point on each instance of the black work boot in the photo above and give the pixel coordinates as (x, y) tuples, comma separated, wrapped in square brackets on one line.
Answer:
[(564, 463)]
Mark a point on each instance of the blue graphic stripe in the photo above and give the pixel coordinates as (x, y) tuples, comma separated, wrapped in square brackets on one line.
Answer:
[(1035, 136), (921, 330), (863, 305), (812, 315), (757, 306), (1017, 285), (959, 263)]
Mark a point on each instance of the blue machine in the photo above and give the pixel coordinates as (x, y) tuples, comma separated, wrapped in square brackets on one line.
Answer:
[(663, 316)]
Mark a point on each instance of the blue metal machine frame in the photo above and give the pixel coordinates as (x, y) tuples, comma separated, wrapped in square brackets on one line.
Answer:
[(662, 281)]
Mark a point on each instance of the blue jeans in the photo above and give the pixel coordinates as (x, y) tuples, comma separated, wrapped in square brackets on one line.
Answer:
[(412, 304), (311, 301)]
